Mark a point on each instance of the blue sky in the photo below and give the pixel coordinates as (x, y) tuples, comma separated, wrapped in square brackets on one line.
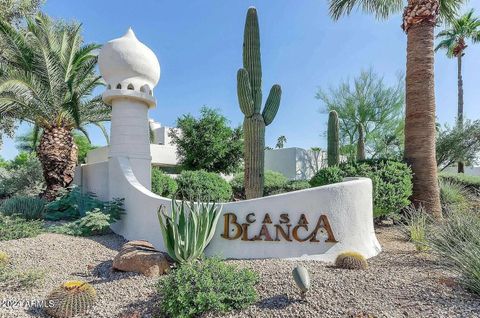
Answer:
[(199, 46)]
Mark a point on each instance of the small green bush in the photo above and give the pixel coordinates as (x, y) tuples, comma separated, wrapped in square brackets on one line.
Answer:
[(30, 208), (21, 176), (457, 241), (203, 186), (275, 183), (72, 204), (392, 182), (326, 176), (471, 183), (296, 185), (206, 286), (14, 227), (95, 222), (163, 184)]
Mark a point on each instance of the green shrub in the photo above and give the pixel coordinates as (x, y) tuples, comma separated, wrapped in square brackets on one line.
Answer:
[(14, 227), (95, 222), (72, 204), (206, 286), (275, 183), (296, 185), (22, 176), (188, 229), (392, 182), (203, 186), (454, 195), (30, 208), (471, 183), (326, 176), (457, 241), (163, 184)]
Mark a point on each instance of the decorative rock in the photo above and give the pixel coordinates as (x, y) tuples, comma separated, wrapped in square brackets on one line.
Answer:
[(302, 279), (141, 257)]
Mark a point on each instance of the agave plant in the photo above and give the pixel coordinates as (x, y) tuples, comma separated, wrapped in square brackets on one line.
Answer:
[(189, 228)]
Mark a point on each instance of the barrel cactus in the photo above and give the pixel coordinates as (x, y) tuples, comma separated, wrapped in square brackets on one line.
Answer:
[(333, 146), (249, 91), (351, 260), (361, 143), (302, 279), (70, 299)]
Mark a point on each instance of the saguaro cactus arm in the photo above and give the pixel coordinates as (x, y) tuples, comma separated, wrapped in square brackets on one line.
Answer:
[(251, 56), (272, 104), (244, 93), (333, 147)]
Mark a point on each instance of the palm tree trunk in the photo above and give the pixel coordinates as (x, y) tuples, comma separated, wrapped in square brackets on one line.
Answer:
[(461, 168), (58, 154), (420, 117)]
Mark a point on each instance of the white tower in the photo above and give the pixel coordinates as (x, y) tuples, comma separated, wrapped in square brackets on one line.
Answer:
[(131, 71)]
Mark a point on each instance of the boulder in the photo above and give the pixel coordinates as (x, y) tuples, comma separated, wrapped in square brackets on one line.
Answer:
[(141, 257)]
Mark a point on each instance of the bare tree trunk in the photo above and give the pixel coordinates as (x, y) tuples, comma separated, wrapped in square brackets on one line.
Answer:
[(58, 154), (461, 168), (420, 117)]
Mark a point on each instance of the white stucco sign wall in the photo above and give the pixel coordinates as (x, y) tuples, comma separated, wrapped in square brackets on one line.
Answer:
[(316, 223)]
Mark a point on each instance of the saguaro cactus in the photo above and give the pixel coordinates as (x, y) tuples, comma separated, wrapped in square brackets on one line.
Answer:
[(333, 146), (361, 143), (249, 91)]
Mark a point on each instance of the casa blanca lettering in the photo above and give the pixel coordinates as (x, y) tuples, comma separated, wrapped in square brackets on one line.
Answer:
[(283, 230)]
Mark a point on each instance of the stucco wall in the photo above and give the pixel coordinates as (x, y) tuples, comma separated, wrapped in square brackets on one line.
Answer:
[(162, 155), (471, 171), (93, 178), (348, 206), (294, 163)]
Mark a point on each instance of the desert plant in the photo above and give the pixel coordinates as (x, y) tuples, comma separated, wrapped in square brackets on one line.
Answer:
[(4, 259), (94, 222), (471, 183), (14, 227), (206, 286), (188, 229), (295, 185), (48, 79), (328, 175), (351, 260), (333, 146), (163, 184), (302, 280), (454, 195), (456, 241), (361, 143), (72, 204), (70, 299), (203, 186), (415, 226), (249, 91), (30, 208)]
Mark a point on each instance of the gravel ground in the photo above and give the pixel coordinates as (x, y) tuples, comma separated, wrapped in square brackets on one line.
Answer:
[(399, 283)]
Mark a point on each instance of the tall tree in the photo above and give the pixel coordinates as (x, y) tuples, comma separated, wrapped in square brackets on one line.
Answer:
[(453, 41), (281, 141), (47, 79), (369, 102), (419, 20), (208, 142), (14, 12)]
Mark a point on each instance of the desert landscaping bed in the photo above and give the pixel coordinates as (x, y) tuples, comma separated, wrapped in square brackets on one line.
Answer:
[(400, 282)]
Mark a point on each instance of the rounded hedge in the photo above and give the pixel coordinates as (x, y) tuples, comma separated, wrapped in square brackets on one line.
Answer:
[(392, 182), (201, 185), (275, 183), (327, 175), (163, 184)]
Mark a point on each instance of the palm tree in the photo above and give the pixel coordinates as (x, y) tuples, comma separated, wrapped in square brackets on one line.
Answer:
[(467, 27), (47, 78), (281, 141), (419, 20)]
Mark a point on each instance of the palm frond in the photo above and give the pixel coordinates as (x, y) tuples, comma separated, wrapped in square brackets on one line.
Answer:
[(381, 9)]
